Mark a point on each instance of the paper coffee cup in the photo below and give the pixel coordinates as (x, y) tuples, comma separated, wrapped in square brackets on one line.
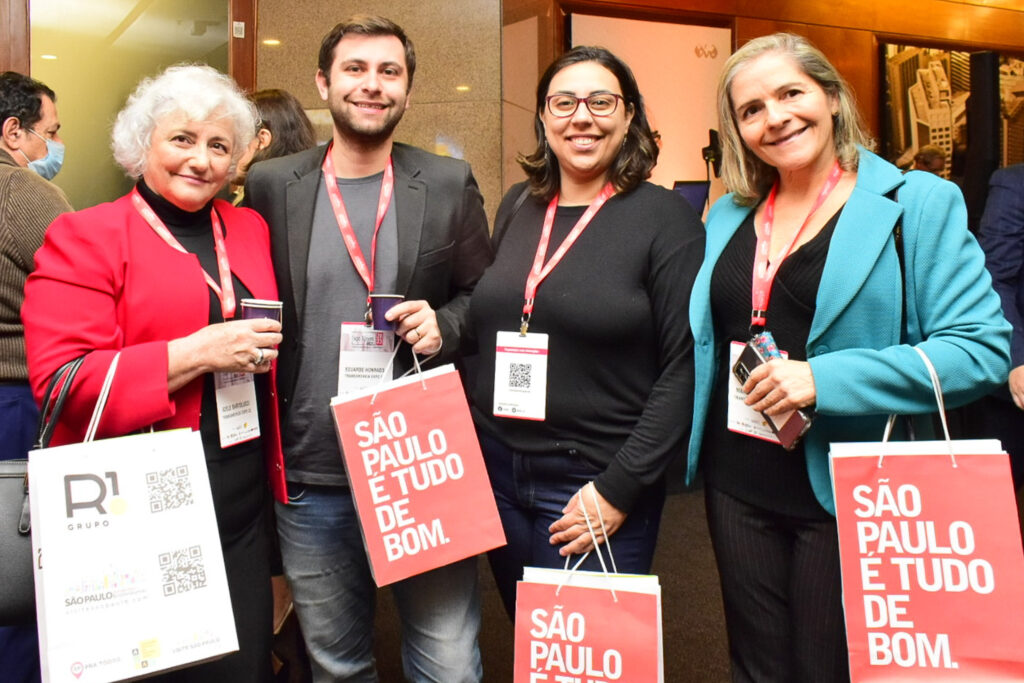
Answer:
[(261, 308), (381, 304)]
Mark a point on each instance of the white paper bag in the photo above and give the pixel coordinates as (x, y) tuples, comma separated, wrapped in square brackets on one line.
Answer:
[(129, 571)]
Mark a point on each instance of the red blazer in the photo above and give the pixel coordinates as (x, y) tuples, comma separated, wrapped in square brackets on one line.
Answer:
[(105, 282)]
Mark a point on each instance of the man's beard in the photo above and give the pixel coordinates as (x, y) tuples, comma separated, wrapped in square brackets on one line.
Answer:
[(364, 135)]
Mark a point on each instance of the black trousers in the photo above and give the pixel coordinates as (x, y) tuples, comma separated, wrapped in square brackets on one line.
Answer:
[(782, 593)]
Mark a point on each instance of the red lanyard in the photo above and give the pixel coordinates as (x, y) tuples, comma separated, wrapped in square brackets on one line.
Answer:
[(387, 187), (226, 290), (540, 270), (764, 274)]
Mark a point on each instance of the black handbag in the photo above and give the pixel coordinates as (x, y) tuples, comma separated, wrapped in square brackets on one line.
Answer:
[(17, 589)]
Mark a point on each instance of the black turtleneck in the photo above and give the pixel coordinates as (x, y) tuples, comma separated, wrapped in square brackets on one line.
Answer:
[(194, 231)]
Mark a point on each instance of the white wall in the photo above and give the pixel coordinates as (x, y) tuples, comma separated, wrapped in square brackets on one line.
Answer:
[(677, 68)]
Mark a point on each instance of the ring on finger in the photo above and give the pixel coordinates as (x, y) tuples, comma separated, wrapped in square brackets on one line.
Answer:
[(259, 356), (418, 335)]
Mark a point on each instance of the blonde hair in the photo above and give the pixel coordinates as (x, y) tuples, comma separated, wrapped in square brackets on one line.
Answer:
[(743, 173)]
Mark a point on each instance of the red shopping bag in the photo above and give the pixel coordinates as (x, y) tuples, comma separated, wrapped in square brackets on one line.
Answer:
[(933, 571), (416, 473), (587, 627), (931, 558)]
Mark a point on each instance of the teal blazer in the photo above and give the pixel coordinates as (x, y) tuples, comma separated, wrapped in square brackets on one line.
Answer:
[(862, 371)]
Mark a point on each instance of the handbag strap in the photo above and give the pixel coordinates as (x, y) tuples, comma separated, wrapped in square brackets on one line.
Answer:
[(501, 228), (897, 238), (52, 406)]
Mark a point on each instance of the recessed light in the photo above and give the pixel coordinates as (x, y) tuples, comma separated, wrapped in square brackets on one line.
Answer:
[(462, 88), (47, 56), (273, 42)]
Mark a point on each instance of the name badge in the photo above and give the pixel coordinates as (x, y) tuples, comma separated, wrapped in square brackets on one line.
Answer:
[(521, 375), (743, 419), (364, 356), (237, 416)]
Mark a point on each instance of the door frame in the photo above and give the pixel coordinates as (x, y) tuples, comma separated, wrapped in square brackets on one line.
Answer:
[(16, 40)]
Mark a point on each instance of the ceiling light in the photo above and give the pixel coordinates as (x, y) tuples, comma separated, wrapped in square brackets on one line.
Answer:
[(273, 42), (462, 88), (47, 56)]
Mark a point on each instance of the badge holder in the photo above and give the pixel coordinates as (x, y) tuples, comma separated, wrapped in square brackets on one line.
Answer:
[(789, 427)]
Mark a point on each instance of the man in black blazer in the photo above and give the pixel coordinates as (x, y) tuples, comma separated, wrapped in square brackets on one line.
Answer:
[(1001, 235), (427, 241)]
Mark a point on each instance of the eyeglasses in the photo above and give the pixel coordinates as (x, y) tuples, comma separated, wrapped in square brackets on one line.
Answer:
[(563, 106)]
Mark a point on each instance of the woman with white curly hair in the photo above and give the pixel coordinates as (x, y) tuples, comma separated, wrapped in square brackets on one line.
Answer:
[(158, 275)]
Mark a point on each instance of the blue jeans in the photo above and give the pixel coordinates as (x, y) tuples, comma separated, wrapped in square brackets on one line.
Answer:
[(531, 489), (335, 597), (18, 420)]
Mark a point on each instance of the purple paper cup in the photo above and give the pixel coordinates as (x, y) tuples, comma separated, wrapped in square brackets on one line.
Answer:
[(261, 308), (381, 304)]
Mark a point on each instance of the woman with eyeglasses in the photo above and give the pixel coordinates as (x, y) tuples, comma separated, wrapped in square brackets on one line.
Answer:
[(586, 357)]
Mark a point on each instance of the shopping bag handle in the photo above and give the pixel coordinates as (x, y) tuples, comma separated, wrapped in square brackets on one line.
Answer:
[(101, 400), (937, 388), (416, 367), (597, 548)]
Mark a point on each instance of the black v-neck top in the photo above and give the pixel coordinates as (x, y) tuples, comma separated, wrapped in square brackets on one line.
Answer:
[(754, 471)]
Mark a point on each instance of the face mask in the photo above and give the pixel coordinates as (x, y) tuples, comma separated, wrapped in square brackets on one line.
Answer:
[(49, 165)]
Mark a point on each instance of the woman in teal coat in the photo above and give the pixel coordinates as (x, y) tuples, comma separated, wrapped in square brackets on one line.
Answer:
[(813, 216)]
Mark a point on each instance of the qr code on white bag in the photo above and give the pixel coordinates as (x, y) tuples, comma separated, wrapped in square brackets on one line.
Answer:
[(182, 570), (169, 489)]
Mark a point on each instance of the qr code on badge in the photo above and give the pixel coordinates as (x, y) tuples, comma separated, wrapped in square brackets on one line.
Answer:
[(519, 375), (169, 489), (182, 570)]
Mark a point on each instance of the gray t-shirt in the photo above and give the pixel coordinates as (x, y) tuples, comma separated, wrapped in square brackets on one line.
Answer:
[(334, 294)]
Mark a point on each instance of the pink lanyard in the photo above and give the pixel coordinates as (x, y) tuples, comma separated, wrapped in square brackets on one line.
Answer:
[(540, 270), (387, 188), (764, 274), (226, 290)]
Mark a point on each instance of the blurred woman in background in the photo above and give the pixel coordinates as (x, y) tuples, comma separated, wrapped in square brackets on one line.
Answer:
[(283, 129)]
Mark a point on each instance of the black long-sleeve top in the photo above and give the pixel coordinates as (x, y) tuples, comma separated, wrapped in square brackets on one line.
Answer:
[(759, 472), (620, 357)]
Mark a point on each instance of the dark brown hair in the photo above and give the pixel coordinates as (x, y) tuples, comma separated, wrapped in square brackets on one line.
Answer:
[(290, 128), (639, 152), (364, 25)]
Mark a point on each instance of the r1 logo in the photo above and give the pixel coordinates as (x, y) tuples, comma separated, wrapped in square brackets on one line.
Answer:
[(78, 486)]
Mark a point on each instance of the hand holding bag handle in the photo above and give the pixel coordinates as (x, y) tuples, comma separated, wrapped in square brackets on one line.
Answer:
[(597, 548)]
